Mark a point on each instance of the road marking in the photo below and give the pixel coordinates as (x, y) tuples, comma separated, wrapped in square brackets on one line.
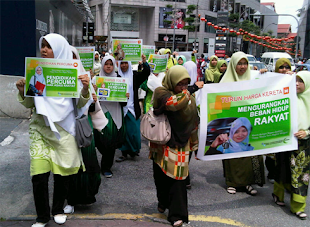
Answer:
[(8, 140), (202, 218)]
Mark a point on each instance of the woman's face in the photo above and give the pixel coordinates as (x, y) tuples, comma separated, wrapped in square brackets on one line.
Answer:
[(284, 68), (39, 71), (214, 62), (242, 66), (180, 61), (124, 66), (223, 68), (119, 46), (300, 85), (182, 85), (240, 134), (46, 50), (96, 56), (108, 66)]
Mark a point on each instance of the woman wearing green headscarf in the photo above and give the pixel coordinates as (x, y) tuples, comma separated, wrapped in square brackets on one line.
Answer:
[(293, 167), (283, 65), (170, 161), (209, 73), (181, 59), (171, 60), (241, 173), (222, 67)]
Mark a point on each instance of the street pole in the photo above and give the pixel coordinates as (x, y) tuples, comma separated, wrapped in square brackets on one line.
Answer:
[(108, 24), (196, 23), (86, 29), (174, 10), (297, 41)]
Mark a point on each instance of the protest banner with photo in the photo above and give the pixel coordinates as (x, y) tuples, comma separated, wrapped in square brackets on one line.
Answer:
[(112, 89), (256, 116), (52, 77), (127, 49), (147, 50), (158, 63), (87, 55)]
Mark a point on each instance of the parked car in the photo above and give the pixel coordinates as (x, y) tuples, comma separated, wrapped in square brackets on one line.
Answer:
[(217, 127), (259, 65), (270, 59), (251, 58), (302, 67)]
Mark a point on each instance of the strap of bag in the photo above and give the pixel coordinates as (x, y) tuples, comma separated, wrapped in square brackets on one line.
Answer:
[(75, 108)]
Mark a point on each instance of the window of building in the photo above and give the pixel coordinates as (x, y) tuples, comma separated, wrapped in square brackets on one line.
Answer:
[(213, 20), (124, 19), (93, 12)]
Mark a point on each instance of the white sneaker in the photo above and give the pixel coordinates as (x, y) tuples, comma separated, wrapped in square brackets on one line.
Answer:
[(60, 218), (69, 209), (39, 224)]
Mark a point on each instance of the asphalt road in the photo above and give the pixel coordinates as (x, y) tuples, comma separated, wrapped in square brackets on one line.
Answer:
[(130, 193)]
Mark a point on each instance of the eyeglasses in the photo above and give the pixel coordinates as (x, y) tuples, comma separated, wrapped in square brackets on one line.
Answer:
[(285, 66)]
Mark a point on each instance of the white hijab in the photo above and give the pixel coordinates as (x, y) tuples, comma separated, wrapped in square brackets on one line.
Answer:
[(129, 75), (57, 110), (113, 108), (192, 71)]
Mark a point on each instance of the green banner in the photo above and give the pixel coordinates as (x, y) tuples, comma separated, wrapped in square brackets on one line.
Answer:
[(52, 77), (147, 50), (127, 49), (158, 63), (87, 55), (254, 118), (112, 89)]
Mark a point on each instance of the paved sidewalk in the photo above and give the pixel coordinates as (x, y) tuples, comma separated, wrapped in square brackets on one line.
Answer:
[(88, 223)]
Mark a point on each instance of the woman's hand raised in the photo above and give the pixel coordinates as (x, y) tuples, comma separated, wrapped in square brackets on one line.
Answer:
[(20, 84)]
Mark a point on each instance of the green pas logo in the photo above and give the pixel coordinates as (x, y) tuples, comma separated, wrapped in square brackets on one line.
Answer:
[(285, 140)]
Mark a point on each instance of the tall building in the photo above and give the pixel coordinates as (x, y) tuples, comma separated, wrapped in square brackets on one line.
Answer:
[(304, 30)]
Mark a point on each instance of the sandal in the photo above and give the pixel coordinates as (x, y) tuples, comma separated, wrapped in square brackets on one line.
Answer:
[(231, 190), (177, 223), (250, 190), (277, 200), (301, 215)]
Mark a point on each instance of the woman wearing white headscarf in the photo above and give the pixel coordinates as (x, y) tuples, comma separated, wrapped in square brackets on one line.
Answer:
[(97, 64), (85, 185), (132, 110), (37, 81), (240, 173), (293, 167), (113, 135), (53, 147)]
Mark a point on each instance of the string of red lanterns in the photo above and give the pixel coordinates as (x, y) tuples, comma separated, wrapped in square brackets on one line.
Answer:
[(265, 41)]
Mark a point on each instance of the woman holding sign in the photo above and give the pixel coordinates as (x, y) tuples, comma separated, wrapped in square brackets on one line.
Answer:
[(242, 172), (53, 147), (113, 135), (293, 167), (174, 100)]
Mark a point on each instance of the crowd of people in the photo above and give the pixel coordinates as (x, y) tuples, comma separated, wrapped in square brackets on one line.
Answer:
[(116, 125)]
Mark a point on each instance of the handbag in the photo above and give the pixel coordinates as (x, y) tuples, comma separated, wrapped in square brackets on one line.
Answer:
[(154, 128), (83, 130), (30, 92)]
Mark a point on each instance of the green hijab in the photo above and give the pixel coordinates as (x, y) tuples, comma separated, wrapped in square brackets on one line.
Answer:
[(209, 73), (183, 58), (184, 120), (303, 102), (174, 76), (231, 74), (280, 62), (218, 74)]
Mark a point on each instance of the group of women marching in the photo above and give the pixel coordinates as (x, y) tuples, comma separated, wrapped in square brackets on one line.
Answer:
[(116, 125)]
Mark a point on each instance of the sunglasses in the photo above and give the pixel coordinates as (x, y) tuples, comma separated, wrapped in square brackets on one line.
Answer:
[(287, 67)]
